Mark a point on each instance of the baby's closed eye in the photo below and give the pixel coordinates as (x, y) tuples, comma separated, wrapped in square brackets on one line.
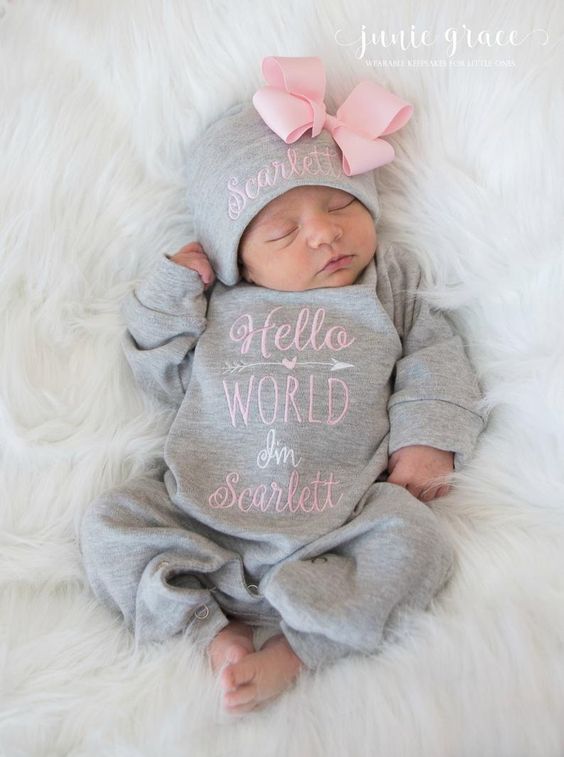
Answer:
[(282, 234), (346, 205)]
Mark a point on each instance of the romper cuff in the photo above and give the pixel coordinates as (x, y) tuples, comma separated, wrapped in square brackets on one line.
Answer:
[(167, 285), (200, 629), (164, 610), (435, 423), (315, 651)]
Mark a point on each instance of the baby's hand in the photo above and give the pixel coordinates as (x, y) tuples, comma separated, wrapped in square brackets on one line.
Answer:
[(418, 467), (193, 256)]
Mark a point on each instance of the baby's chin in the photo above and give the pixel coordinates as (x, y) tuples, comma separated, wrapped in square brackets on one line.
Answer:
[(327, 282), (342, 277)]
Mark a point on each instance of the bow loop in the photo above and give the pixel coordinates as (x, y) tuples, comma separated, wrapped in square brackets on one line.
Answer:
[(292, 102), (372, 110), (359, 153), (287, 114)]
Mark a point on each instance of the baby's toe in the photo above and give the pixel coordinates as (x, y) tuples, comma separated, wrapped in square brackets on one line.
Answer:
[(236, 652), (242, 699), (221, 657), (238, 673)]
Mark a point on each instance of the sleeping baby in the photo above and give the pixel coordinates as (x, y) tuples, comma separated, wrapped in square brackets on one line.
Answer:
[(318, 404)]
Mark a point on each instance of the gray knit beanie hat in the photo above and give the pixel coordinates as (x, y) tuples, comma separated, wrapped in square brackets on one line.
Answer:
[(239, 164)]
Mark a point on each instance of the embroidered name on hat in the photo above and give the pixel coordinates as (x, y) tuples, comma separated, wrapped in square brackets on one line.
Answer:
[(316, 162)]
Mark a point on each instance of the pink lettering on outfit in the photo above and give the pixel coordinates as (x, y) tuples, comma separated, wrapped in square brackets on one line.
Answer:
[(334, 338), (270, 399), (257, 498), (267, 398)]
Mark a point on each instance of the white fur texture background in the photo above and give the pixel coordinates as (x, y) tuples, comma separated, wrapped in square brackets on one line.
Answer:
[(99, 102)]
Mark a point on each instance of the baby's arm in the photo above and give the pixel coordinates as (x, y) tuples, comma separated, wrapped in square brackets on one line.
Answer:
[(165, 315), (435, 404)]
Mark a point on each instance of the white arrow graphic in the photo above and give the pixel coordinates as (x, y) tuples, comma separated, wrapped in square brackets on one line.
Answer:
[(239, 366)]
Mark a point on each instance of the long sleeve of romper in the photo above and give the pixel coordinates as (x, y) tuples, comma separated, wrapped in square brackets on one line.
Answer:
[(165, 314), (436, 394)]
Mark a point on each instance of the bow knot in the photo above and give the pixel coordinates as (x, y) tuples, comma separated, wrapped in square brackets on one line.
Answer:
[(292, 102)]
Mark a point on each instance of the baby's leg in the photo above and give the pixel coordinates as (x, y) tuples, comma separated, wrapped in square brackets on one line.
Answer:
[(260, 677), (143, 558), (367, 576)]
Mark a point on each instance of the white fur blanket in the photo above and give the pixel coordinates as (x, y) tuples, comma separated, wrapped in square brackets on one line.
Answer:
[(99, 102)]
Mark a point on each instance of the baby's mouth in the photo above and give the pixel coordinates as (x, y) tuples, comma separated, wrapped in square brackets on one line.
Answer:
[(337, 261)]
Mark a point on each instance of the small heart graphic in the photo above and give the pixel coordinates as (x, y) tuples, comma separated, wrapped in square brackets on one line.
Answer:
[(289, 363)]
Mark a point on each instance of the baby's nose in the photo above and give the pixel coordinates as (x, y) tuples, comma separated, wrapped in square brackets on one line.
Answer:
[(323, 231)]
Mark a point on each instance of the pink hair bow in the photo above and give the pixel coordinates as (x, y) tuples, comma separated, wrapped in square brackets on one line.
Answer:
[(292, 103)]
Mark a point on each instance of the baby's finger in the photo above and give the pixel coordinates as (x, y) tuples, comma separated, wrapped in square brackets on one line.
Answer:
[(191, 247), (443, 491), (211, 279), (428, 493), (203, 267), (434, 492), (416, 491)]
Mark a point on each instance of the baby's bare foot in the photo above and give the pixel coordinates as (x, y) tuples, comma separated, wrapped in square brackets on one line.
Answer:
[(231, 644), (260, 677)]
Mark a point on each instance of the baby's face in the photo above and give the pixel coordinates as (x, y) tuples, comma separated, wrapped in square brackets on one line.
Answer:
[(289, 245)]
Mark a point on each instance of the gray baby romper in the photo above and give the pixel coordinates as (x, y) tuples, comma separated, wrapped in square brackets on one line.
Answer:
[(272, 505)]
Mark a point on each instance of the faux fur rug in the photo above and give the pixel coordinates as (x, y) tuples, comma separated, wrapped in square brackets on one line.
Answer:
[(99, 102)]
